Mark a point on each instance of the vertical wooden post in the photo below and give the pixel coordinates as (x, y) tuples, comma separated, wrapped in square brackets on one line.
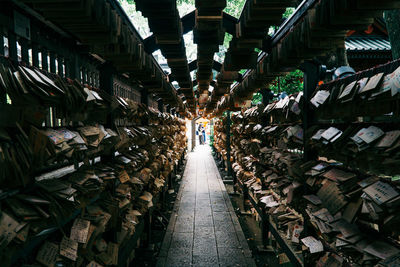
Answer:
[(52, 62), (193, 134), (160, 105), (12, 46), (107, 78), (144, 97), (1, 44), (24, 51), (311, 76), (3, 97), (72, 67), (228, 143), (45, 62), (107, 84), (35, 55), (60, 67)]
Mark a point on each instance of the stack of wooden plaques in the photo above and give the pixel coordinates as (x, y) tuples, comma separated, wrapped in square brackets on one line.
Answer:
[(322, 30), (77, 194)]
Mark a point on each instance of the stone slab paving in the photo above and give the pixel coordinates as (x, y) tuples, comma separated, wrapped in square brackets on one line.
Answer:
[(204, 229)]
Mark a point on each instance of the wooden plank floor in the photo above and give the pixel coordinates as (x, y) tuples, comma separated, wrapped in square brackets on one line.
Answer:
[(204, 229)]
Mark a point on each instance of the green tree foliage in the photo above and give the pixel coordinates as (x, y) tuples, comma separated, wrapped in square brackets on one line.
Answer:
[(257, 99), (234, 7), (290, 83), (141, 24), (289, 11), (181, 2)]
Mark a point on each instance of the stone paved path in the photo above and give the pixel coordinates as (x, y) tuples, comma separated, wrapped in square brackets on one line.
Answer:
[(203, 230)]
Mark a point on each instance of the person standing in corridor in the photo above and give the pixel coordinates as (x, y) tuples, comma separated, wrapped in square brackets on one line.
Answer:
[(204, 134), (200, 132)]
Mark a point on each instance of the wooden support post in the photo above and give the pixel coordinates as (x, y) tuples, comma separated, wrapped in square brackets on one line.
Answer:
[(52, 62), (107, 78), (12, 46), (60, 66), (160, 105), (193, 134), (170, 183), (3, 97), (35, 55), (107, 84), (45, 62), (147, 225), (24, 51), (144, 97), (311, 71), (228, 145), (1, 44), (73, 69)]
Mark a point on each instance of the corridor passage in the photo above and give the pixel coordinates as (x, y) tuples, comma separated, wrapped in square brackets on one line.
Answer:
[(203, 230)]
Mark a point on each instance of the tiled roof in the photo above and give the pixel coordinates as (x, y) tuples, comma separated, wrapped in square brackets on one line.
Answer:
[(367, 43)]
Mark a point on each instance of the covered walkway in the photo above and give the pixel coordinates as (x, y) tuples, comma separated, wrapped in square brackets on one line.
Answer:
[(203, 230)]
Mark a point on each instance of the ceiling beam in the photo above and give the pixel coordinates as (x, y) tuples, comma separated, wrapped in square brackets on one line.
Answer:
[(188, 22), (216, 66)]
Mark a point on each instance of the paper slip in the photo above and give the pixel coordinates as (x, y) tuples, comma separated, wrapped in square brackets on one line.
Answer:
[(313, 199), (295, 108), (282, 103), (313, 244), (321, 166), (361, 84), (319, 98), (23, 234), (395, 81), (267, 199), (8, 228), (389, 139), (371, 134), (330, 133), (381, 249), (380, 192), (323, 214), (80, 230), (347, 90), (299, 96), (297, 229), (47, 254), (368, 181), (385, 85), (272, 204), (317, 135), (373, 82), (55, 136), (69, 248)]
